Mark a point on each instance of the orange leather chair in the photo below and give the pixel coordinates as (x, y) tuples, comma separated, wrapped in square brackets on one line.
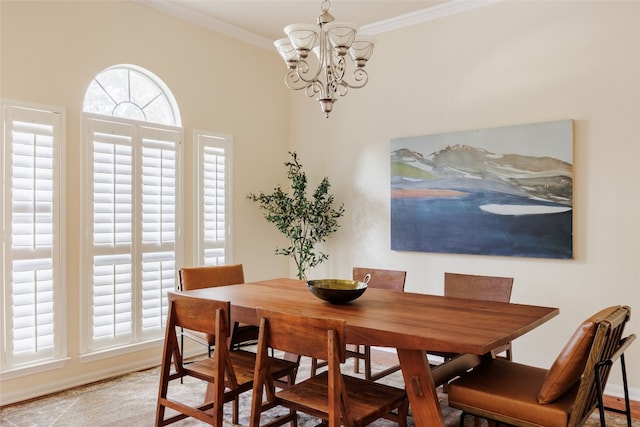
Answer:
[(564, 395)]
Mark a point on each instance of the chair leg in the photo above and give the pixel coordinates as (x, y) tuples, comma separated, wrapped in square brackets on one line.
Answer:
[(601, 407), (627, 404), (181, 349), (445, 386), (462, 417), (315, 365), (367, 362), (476, 420), (403, 413), (235, 413)]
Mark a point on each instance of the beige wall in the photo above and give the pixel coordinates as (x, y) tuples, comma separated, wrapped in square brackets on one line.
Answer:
[(50, 53), (510, 63)]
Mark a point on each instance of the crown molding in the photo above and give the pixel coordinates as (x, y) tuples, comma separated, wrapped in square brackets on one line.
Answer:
[(175, 9), (452, 7), (449, 8)]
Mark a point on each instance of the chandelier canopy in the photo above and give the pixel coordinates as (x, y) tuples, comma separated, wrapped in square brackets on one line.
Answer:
[(323, 73)]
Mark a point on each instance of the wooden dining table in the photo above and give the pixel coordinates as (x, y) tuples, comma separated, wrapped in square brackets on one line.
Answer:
[(409, 322)]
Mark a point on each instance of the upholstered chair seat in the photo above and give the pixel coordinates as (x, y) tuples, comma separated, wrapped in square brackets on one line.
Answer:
[(512, 389)]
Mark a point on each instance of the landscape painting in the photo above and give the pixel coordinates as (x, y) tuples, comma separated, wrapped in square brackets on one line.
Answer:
[(504, 191)]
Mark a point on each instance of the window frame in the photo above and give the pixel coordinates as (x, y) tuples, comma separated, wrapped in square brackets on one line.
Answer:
[(59, 354), (90, 348), (223, 142), (132, 214)]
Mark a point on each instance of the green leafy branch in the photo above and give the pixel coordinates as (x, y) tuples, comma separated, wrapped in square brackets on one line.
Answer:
[(304, 221)]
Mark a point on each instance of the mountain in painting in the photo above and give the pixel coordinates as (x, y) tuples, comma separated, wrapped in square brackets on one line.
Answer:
[(463, 167)]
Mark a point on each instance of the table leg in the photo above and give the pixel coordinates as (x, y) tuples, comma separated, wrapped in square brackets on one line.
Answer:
[(421, 389)]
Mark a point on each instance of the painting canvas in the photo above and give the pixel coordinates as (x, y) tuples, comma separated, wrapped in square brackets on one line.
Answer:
[(504, 191)]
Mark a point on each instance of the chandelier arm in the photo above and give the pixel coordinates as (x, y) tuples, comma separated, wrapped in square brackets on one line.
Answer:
[(361, 79), (293, 81), (342, 89), (303, 69), (315, 88)]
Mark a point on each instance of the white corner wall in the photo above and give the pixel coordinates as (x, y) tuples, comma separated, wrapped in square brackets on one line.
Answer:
[(505, 64)]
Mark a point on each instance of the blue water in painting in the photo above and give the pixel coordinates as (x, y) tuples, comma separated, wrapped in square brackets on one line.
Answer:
[(458, 225)]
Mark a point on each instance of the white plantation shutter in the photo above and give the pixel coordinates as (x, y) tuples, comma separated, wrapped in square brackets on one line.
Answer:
[(32, 145), (159, 223), (133, 176), (214, 156), (112, 234)]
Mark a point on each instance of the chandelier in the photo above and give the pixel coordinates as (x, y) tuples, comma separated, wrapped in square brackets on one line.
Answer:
[(323, 73)]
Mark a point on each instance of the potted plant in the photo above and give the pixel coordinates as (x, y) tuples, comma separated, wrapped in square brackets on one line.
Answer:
[(305, 221)]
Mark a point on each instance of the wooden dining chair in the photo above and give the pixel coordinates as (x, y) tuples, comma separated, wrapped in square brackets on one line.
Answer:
[(228, 373), (192, 278), (471, 286), (383, 279), (565, 395), (330, 396), (484, 288)]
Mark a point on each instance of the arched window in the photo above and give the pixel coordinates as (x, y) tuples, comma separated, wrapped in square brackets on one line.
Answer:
[(131, 209), (131, 92)]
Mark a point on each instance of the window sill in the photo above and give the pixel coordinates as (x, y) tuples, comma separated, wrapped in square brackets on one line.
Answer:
[(34, 368), (118, 351)]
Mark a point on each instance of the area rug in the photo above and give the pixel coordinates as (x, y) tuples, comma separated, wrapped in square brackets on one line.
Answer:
[(130, 401)]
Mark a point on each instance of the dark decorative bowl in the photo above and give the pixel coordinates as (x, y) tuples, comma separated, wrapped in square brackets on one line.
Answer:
[(337, 291)]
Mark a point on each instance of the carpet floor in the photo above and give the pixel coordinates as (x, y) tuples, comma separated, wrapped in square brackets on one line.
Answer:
[(130, 400)]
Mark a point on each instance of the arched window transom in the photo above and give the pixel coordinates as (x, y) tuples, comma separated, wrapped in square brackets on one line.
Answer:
[(130, 92)]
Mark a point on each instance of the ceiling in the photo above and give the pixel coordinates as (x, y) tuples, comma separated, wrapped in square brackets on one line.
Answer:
[(261, 21)]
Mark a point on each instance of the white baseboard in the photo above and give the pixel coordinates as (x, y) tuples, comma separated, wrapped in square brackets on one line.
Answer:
[(616, 390), (10, 396)]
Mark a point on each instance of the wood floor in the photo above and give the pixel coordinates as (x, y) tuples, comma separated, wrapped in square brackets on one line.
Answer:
[(390, 358)]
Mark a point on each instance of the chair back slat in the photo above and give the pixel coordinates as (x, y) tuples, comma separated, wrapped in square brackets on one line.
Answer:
[(606, 341), (210, 276), (199, 314), (382, 279), (303, 335), (486, 288)]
